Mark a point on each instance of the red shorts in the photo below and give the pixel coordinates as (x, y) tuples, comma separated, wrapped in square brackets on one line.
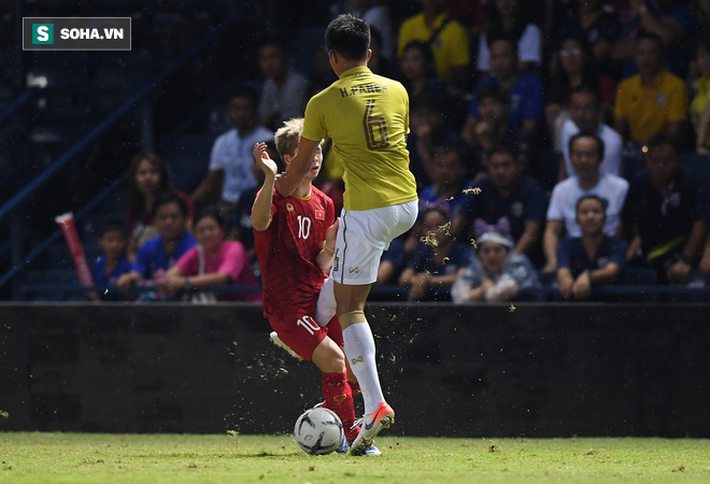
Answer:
[(303, 334)]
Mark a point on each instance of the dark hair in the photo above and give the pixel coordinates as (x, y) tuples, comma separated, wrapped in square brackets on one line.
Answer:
[(349, 36), (135, 197), (590, 196), (587, 89), (504, 37), (587, 134), (520, 19), (166, 198), (209, 211), (113, 225), (274, 42), (494, 92), (243, 91), (425, 49), (560, 80), (663, 138), (645, 35), (439, 210), (502, 149)]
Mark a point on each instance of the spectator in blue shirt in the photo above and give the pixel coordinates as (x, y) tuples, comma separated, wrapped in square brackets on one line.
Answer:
[(433, 267), (107, 268), (510, 202), (525, 90), (593, 258), (159, 254)]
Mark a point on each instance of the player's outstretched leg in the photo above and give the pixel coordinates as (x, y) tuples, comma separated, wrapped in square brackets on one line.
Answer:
[(360, 351)]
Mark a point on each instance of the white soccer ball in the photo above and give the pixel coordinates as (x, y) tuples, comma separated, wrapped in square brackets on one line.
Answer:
[(318, 431)]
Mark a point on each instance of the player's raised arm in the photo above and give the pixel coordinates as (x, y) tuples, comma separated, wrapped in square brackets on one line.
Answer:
[(288, 181), (261, 210)]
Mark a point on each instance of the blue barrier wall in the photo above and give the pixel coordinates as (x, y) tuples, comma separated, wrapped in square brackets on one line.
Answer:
[(543, 370)]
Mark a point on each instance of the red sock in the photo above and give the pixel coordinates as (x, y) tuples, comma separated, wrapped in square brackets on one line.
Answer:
[(339, 398), (355, 387)]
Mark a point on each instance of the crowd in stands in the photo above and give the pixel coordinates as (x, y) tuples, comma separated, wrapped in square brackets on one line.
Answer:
[(558, 147)]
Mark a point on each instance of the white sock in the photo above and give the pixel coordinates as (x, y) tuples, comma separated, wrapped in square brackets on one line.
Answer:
[(360, 350)]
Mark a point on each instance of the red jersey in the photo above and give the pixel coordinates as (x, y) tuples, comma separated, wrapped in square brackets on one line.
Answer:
[(287, 251)]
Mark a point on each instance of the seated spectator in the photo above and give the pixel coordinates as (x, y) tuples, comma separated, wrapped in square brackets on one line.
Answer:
[(573, 67), (510, 202), (285, 91), (148, 178), (159, 254), (377, 17), (492, 128), (497, 273), (652, 101), (594, 258), (700, 104), (449, 174), (447, 38), (392, 263), (596, 23), (670, 21), (666, 214), (212, 262), (524, 89), (230, 170), (585, 112), (107, 268), (586, 154), (432, 269), (509, 17), (429, 129)]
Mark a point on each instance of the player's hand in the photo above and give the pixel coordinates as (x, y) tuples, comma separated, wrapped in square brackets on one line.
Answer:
[(332, 234), (264, 161)]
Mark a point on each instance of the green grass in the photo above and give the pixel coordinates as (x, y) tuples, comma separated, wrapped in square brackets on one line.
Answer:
[(54, 457)]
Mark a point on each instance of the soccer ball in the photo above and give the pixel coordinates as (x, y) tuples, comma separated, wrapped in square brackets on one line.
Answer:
[(318, 431)]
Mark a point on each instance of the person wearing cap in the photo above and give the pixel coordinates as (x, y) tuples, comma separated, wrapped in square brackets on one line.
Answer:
[(594, 258), (496, 273)]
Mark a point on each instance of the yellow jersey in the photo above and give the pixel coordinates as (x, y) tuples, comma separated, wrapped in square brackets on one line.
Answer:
[(649, 108), (367, 117)]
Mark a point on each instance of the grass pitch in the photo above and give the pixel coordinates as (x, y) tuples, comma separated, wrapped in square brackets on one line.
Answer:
[(54, 457)]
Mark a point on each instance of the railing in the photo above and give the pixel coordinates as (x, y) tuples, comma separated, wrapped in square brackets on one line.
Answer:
[(133, 102)]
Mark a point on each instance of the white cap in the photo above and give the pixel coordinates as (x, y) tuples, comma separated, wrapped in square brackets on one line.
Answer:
[(497, 238)]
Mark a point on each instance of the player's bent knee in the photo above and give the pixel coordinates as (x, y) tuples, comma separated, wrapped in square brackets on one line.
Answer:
[(328, 357)]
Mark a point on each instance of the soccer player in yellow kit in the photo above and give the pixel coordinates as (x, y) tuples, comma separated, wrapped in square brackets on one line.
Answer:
[(367, 117)]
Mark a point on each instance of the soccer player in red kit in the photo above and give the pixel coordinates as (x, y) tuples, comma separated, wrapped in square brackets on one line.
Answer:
[(294, 238)]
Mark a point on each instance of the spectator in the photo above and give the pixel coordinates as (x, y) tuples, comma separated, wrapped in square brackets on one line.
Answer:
[(586, 154), (509, 18), (595, 22), (213, 262), (594, 257), (148, 178), (524, 89), (510, 202), (285, 91), (573, 67), (376, 16), (668, 20), (432, 269), (392, 263), (652, 101), (230, 170), (107, 268), (492, 128), (159, 254), (665, 213), (429, 129), (585, 116), (497, 273), (700, 105), (447, 38), (450, 180), (419, 70)]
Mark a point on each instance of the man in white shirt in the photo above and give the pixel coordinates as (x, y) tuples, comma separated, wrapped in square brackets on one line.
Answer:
[(585, 110), (230, 169), (586, 151)]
